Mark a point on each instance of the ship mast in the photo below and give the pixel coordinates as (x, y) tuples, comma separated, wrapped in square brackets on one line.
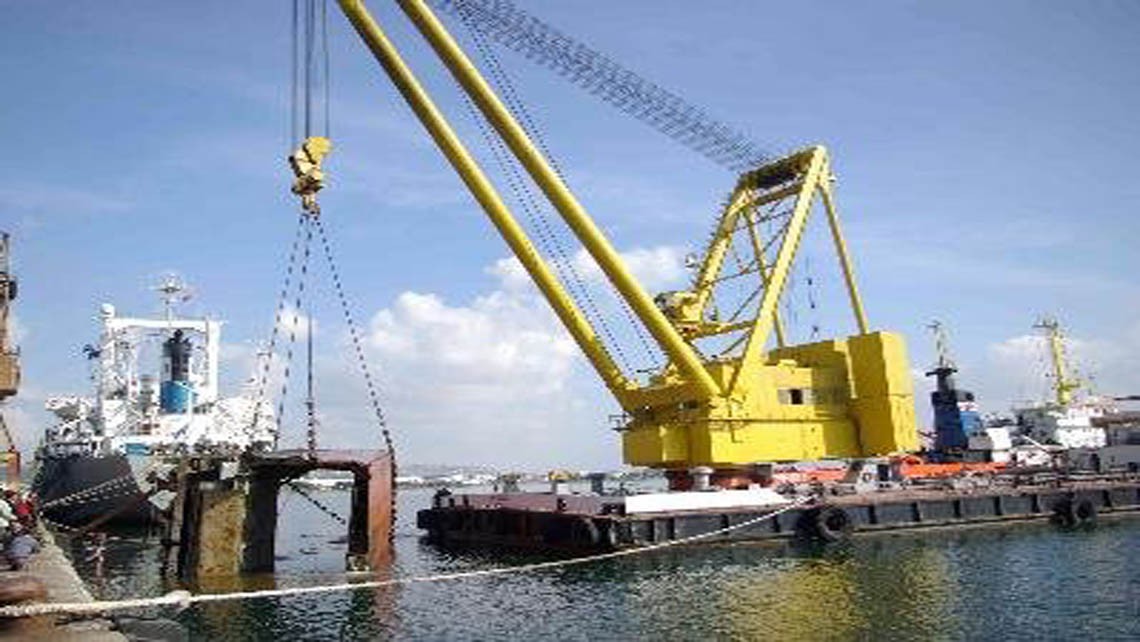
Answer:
[(1064, 385), (944, 369), (172, 290)]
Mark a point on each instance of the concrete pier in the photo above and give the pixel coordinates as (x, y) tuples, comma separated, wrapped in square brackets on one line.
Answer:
[(63, 584)]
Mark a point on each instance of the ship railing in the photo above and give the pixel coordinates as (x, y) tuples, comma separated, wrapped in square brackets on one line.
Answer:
[(68, 448)]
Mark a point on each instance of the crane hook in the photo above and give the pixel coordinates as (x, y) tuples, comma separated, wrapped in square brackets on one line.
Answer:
[(306, 165)]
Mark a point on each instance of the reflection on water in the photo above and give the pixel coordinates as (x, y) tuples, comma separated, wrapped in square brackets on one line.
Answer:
[(1028, 581)]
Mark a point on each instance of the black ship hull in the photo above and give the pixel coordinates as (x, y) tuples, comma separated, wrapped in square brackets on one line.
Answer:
[(85, 492)]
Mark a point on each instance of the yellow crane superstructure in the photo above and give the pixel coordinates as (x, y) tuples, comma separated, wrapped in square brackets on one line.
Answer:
[(739, 401)]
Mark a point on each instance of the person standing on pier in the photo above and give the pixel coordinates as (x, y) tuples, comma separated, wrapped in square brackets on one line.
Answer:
[(20, 548)]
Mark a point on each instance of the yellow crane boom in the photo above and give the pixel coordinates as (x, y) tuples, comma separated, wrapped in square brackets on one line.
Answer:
[(837, 398)]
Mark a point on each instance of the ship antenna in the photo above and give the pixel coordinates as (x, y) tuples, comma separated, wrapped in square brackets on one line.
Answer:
[(173, 291), (941, 345)]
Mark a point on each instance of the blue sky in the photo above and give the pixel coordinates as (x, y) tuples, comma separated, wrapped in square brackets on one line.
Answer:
[(983, 152)]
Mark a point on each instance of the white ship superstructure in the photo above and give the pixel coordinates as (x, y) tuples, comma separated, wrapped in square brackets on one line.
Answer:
[(156, 400), (1068, 426), (175, 411)]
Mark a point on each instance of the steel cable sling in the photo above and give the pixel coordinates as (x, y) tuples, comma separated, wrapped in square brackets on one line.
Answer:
[(663, 110), (524, 194), (533, 208)]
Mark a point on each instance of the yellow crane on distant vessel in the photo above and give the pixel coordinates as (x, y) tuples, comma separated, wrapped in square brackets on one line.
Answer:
[(725, 399), (1064, 384)]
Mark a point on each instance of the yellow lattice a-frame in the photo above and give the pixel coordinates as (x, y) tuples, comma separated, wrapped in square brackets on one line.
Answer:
[(836, 398)]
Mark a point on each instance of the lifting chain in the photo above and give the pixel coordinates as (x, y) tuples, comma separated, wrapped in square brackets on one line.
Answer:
[(315, 502), (357, 344), (303, 272), (278, 317)]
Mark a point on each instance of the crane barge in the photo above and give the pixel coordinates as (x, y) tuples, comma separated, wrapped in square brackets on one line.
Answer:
[(734, 392), (838, 398)]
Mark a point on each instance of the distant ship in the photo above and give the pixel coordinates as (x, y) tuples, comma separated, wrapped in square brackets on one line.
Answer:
[(103, 462), (1068, 420)]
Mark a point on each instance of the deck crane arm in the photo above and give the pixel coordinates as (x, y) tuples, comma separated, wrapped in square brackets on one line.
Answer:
[(834, 398)]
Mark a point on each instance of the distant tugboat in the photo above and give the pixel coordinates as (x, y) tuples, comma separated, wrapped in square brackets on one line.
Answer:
[(960, 434), (100, 464)]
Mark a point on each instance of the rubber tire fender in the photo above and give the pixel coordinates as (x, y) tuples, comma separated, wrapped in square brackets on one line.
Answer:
[(585, 531), (610, 535), (1085, 512), (833, 524), (1065, 513)]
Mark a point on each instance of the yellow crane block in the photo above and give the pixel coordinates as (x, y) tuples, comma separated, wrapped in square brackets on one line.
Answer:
[(310, 177), (831, 399)]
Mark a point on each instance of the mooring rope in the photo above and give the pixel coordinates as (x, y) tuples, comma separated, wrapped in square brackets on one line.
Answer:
[(184, 599)]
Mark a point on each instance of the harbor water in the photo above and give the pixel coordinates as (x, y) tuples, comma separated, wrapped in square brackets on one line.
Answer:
[(1028, 581)]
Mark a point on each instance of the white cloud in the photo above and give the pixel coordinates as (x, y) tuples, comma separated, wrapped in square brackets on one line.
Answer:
[(497, 379), (243, 364), (491, 380), (504, 342), (655, 268), (240, 364), (512, 277)]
